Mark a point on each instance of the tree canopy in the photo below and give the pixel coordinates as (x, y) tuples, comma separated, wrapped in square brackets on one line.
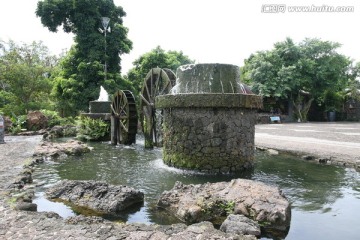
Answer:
[(25, 72), (94, 60), (83, 18), (301, 73), (157, 57)]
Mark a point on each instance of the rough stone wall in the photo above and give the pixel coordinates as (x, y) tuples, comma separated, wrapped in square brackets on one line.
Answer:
[(100, 107), (211, 140)]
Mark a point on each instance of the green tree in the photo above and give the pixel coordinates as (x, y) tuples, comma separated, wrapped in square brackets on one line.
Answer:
[(155, 58), (301, 73), (83, 69), (352, 90), (25, 72), (66, 87)]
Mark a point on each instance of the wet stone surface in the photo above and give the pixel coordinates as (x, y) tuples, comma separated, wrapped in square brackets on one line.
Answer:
[(98, 196), (211, 201)]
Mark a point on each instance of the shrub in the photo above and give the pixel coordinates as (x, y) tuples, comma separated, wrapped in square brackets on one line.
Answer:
[(91, 129), (54, 118), (18, 123)]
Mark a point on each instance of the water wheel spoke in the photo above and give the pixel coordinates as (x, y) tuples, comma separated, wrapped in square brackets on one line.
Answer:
[(151, 85), (145, 100), (147, 90), (124, 107), (123, 126), (154, 129), (113, 110), (123, 114), (164, 88), (157, 84)]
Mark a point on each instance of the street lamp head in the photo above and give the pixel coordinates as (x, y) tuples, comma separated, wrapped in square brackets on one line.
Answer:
[(105, 22)]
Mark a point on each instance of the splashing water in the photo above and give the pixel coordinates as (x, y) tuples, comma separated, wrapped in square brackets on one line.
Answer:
[(104, 96)]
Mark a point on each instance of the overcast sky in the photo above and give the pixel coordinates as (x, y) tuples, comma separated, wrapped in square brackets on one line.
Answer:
[(225, 31)]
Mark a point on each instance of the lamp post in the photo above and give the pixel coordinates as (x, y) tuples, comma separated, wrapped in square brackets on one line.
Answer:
[(106, 28)]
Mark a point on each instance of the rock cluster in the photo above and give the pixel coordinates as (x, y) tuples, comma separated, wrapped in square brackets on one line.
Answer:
[(36, 120), (60, 131), (47, 225), (211, 201), (57, 149), (239, 224), (98, 196)]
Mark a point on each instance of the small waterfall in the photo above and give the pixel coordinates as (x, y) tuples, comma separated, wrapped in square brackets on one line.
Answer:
[(104, 96)]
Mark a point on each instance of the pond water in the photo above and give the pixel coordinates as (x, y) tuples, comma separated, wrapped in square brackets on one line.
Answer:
[(325, 199)]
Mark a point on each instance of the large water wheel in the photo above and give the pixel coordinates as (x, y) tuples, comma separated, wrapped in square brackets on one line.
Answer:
[(157, 82), (124, 118)]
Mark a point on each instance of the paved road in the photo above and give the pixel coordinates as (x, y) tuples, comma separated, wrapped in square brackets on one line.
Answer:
[(339, 141)]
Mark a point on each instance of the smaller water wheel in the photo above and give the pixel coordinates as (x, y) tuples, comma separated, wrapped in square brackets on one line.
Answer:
[(124, 118), (157, 82)]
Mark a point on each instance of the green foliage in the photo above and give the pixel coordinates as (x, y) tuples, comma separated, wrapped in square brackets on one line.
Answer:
[(18, 123), (352, 90), (81, 72), (228, 207), (332, 101), (25, 82), (91, 129), (54, 118), (155, 58), (300, 73)]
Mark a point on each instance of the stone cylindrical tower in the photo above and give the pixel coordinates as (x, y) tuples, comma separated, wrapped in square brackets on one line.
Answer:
[(209, 119)]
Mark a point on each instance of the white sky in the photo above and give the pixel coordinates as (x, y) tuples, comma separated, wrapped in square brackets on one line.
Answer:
[(226, 31)]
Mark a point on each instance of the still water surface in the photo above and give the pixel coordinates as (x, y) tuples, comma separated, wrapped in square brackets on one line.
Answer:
[(325, 199)]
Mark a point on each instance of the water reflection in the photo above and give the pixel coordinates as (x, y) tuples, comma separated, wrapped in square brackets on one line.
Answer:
[(309, 186), (320, 195)]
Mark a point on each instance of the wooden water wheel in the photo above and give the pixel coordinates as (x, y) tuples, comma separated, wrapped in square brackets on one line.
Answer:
[(157, 82), (124, 118)]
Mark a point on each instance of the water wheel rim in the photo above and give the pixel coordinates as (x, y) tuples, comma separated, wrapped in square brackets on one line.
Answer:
[(120, 108), (157, 82), (124, 110)]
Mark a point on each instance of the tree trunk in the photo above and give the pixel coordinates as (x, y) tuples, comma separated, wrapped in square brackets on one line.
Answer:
[(302, 108), (291, 109)]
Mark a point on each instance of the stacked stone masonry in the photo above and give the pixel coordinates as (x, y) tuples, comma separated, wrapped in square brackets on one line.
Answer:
[(211, 140)]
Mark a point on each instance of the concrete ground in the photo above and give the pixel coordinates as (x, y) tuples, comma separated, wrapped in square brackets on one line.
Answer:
[(338, 141)]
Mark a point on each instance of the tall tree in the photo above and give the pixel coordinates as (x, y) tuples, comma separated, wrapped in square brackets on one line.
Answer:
[(72, 95), (155, 58), (301, 73), (95, 59), (25, 72)]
